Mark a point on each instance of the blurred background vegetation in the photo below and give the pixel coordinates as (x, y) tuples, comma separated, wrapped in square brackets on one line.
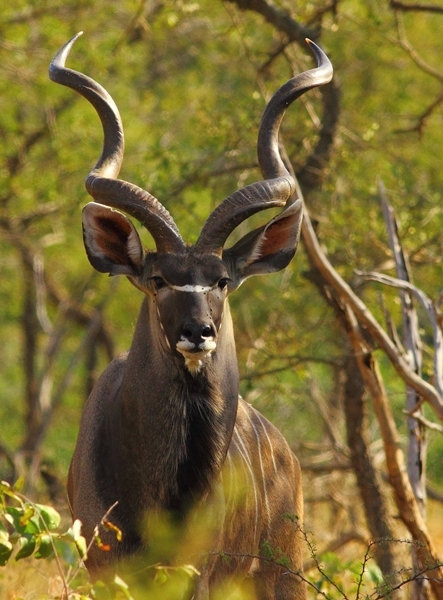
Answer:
[(191, 79)]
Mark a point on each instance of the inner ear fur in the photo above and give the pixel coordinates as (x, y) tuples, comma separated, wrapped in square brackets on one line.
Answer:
[(269, 248), (111, 241)]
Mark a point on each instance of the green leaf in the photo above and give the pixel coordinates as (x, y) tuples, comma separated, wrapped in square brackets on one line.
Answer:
[(190, 570), (24, 519), (4, 486), (46, 547), (161, 575), (101, 591), (122, 587), (82, 546), (3, 532), (374, 574), (28, 512), (67, 551), (27, 547), (5, 550), (6, 489), (18, 485), (49, 515)]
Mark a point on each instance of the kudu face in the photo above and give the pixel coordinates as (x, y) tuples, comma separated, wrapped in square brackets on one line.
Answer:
[(188, 289), (190, 301)]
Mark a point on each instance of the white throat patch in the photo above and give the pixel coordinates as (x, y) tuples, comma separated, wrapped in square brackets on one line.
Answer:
[(194, 361)]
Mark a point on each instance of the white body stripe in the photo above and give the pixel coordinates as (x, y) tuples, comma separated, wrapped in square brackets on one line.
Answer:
[(245, 456), (268, 509), (271, 448)]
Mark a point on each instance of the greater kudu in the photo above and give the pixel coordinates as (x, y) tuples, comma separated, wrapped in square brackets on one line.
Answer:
[(164, 428)]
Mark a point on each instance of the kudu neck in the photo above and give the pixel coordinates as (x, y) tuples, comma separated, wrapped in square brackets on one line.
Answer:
[(185, 421)]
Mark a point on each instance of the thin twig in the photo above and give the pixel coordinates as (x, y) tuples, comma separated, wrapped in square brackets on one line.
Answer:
[(421, 419)]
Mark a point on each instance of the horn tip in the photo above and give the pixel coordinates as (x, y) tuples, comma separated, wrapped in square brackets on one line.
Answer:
[(59, 60)]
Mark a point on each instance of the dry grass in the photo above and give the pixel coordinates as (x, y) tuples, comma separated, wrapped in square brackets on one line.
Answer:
[(39, 579)]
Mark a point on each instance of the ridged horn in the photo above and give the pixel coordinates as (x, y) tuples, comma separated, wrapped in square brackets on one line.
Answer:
[(278, 185), (101, 183)]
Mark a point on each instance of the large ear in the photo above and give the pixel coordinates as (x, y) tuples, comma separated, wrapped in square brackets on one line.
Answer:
[(112, 243), (269, 248)]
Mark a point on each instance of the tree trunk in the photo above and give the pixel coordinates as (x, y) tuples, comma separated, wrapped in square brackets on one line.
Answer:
[(376, 512), (374, 503)]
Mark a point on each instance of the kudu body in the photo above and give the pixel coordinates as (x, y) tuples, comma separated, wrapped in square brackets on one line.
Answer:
[(164, 429)]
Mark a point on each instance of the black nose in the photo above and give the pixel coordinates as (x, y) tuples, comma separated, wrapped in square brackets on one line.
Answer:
[(197, 332)]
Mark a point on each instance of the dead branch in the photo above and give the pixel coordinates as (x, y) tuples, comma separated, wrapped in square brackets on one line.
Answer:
[(421, 419), (423, 66), (417, 439), (432, 8), (312, 173), (280, 18), (57, 396), (323, 409), (318, 14), (337, 544), (365, 317), (409, 48), (405, 500), (433, 314), (32, 13), (422, 119), (324, 467), (16, 161)]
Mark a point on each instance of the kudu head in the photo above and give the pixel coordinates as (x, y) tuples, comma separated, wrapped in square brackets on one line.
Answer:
[(189, 284)]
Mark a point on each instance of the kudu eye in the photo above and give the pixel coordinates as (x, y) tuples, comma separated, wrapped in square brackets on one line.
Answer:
[(223, 283), (158, 282)]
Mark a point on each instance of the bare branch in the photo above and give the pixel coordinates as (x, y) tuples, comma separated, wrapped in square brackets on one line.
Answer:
[(421, 419), (280, 18), (345, 293), (325, 467), (422, 119), (409, 48), (15, 162), (433, 314), (432, 8), (345, 538), (417, 442), (318, 14), (49, 401), (32, 13), (405, 500)]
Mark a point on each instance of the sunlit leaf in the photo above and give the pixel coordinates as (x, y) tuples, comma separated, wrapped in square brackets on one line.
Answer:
[(111, 527), (49, 515), (27, 514), (74, 532), (45, 547), (6, 549), (24, 519), (82, 546), (122, 587), (18, 485), (161, 575)]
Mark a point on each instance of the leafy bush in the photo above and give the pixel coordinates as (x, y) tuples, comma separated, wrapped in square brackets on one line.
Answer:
[(29, 530)]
